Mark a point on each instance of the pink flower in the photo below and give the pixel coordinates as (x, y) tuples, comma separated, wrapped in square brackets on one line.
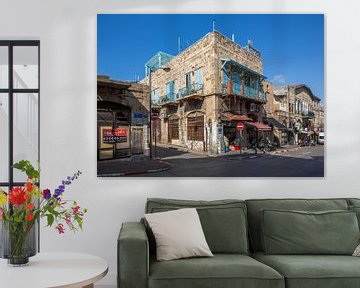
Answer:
[(60, 228), (1, 213)]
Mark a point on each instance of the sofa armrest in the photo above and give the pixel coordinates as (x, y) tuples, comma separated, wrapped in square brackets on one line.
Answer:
[(133, 256)]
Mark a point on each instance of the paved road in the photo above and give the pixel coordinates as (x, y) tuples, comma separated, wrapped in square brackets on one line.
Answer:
[(299, 162)]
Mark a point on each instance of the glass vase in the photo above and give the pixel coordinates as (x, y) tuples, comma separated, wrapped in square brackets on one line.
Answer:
[(18, 242)]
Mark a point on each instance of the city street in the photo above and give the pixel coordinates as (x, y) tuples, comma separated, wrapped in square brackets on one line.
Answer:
[(294, 162)]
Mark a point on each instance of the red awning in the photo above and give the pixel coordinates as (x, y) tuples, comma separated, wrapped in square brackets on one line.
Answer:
[(236, 117), (260, 126)]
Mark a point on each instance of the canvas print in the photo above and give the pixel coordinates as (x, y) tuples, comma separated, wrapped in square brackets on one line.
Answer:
[(234, 95)]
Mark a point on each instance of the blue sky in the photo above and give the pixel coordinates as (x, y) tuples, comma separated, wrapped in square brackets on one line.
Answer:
[(292, 45)]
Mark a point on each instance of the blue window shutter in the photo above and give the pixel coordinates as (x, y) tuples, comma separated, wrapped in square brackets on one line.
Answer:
[(154, 96), (237, 83), (198, 76)]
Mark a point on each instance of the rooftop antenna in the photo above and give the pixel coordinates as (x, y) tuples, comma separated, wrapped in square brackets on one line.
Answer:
[(213, 23), (179, 44)]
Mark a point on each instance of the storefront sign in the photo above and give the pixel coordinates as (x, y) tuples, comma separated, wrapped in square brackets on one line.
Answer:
[(137, 115), (117, 135), (240, 126)]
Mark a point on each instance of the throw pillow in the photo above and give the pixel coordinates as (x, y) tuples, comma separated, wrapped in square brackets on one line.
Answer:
[(357, 251), (178, 234), (299, 232)]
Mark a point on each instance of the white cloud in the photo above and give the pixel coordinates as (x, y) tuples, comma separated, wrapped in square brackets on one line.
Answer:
[(278, 80)]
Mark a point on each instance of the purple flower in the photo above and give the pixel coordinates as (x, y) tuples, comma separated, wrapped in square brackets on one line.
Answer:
[(46, 194)]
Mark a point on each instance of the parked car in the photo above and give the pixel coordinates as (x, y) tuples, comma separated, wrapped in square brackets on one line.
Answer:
[(321, 138)]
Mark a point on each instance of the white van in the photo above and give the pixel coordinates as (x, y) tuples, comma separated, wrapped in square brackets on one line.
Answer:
[(321, 138)]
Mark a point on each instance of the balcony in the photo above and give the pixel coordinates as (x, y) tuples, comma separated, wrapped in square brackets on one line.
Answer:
[(193, 89), (185, 92), (249, 92), (309, 115)]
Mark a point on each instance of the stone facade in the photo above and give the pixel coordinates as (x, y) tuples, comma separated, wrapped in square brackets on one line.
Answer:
[(125, 106), (297, 108), (212, 77)]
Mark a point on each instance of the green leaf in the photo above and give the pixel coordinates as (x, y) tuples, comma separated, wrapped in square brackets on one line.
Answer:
[(28, 168), (50, 219)]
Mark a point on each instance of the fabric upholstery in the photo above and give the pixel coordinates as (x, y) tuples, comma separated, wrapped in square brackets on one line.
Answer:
[(295, 232), (133, 256), (222, 270), (356, 209), (315, 271), (223, 221), (254, 216), (178, 234), (353, 201)]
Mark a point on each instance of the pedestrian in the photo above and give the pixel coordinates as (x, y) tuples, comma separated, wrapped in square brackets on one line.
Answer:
[(226, 143)]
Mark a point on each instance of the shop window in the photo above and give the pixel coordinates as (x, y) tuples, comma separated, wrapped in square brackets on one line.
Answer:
[(19, 108), (173, 129), (195, 128)]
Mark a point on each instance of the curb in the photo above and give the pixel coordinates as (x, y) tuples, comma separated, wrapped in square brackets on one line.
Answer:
[(135, 172)]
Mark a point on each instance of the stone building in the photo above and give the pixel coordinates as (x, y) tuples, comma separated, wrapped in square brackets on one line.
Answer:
[(122, 118), (205, 91), (297, 108)]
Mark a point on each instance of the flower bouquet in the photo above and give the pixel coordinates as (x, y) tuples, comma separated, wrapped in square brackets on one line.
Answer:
[(21, 208)]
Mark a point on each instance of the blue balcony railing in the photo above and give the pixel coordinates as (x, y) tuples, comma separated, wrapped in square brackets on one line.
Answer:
[(189, 90), (249, 92)]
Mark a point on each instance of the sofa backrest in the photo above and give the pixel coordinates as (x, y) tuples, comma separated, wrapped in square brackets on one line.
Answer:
[(223, 221), (256, 205)]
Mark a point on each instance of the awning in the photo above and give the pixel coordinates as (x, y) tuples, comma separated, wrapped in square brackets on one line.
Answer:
[(237, 64), (275, 123), (260, 126), (236, 117)]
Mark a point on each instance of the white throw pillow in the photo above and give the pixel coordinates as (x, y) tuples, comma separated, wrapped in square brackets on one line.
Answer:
[(178, 234)]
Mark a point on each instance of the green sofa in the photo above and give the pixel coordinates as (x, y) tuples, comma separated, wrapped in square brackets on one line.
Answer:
[(236, 234)]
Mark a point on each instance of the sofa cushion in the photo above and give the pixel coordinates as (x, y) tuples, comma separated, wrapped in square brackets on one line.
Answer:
[(297, 232), (222, 270), (178, 234), (356, 209), (223, 221), (353, 201), (314, 271), (254, 217)]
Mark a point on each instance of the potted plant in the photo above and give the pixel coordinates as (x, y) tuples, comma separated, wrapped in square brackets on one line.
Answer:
[(22, 207)]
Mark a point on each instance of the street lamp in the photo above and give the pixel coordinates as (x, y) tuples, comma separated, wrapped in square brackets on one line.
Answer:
[(166, 69)]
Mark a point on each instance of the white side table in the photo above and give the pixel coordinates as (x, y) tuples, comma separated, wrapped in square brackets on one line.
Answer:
[(50, 270)]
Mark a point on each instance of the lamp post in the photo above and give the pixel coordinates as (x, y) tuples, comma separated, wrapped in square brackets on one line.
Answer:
[(166, 69)]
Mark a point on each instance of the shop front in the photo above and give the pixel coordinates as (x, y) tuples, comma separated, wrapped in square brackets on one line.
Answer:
[(113, 122), (234, 138)]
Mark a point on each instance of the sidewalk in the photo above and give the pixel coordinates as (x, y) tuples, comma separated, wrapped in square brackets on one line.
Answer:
[(125, 167)]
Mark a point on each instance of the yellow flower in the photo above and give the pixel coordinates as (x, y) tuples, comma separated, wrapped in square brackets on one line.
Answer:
[(3, 198)]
